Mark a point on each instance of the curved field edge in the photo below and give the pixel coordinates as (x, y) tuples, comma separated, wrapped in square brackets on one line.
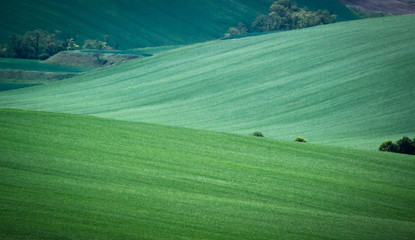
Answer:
[(76, 177), (348, 84)]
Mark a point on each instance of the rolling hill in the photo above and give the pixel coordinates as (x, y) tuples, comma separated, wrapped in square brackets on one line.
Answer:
[(140, 23), (77, 177), (349, 84)]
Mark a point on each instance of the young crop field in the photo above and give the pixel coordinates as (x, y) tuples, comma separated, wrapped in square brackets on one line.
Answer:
[(76, 177), (182, 133), (348, 84)]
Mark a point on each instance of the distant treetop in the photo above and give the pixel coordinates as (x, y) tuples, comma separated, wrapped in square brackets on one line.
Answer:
[(285, 15)]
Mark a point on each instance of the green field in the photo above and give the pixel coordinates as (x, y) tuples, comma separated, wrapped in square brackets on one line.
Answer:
[(140, 23), (77, 177), (348, 84), (159, 147)]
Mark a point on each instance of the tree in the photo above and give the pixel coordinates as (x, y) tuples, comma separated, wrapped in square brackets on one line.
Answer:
[(71, 44), (284, 3), (238, 30), (3, 51), (388, 146), (406, 146), (36, 44), (96, 45), (34, 41), (286, 15), (53, 45), (109, 40), (17, 49), (262, 24), (326, 17)]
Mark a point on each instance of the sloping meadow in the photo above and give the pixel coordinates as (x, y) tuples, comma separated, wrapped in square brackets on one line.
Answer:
[(76, 177), (348, 84)]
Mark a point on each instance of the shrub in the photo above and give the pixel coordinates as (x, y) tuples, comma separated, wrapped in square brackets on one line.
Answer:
[(257, 134), (300, 139), (388, 146)]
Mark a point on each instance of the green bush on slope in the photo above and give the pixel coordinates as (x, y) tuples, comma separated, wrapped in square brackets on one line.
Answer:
[(258, 134), (301, 139)]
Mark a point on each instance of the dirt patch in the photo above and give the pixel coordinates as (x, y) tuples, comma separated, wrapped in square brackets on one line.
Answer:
[(89, 59), (387, 6)]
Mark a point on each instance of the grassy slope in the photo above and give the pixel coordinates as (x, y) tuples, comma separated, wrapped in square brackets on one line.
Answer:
[(139, 23), (63, 177), (348, 83)]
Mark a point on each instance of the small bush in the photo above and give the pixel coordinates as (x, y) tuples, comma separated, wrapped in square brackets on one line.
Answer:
[(300, 139), (258, 134)]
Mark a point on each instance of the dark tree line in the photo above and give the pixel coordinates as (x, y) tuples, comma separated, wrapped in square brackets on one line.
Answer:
[(40, 44), (404, 145), (36, 44), (285, 15)]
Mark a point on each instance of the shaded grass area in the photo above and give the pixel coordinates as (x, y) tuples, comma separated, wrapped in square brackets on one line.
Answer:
[(363, 13), (11, 86), (393, 7), (31, 77), (21, 73), (348, 84), (92, 59), (76, 177), (37, 65)]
